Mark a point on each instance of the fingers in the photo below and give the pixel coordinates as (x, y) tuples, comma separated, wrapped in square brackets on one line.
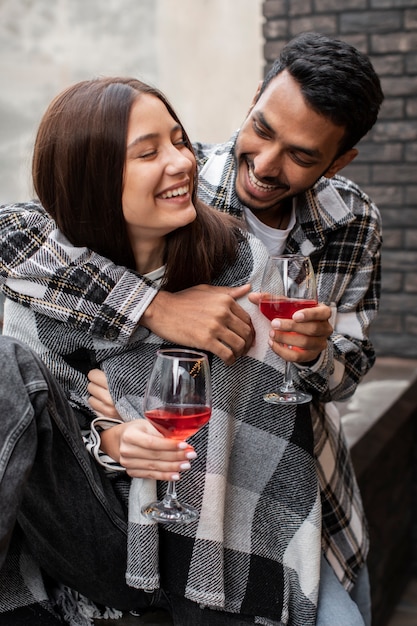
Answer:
[(284, 345), (229, 338), (156, 467), (321, 312), (228, 327), (100, 399), (311, 329), (204, 317), (146, 454), (98, 377), (255, 297), (304, 337), (238, 292), (102, 408), (233, 332)]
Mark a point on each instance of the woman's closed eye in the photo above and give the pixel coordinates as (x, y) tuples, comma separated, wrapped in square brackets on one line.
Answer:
[(147, 155)]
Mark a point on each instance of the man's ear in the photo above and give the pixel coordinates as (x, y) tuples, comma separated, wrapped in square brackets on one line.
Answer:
[(341, 162), (255, 97)]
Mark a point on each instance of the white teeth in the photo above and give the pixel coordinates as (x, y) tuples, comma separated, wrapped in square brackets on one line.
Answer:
[(257, 183), (180, 191)]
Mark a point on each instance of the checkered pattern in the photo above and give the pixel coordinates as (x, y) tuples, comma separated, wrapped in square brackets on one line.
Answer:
[(41, 269), (256, 548), (339, 228)]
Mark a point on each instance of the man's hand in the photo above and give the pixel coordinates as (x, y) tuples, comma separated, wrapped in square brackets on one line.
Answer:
[(302, 338), (203, 317)]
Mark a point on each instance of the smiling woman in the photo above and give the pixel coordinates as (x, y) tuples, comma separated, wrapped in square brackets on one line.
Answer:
[(158, 181), (118, 176)]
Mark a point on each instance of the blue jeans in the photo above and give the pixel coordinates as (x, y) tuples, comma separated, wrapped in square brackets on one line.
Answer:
[(337, 606)]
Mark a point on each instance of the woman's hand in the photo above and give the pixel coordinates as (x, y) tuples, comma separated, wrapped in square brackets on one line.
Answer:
[(144, 452), (137, 445), (100, 399)]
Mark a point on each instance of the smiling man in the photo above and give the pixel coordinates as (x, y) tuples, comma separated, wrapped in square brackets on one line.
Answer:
[(282, 149), (279, 173)]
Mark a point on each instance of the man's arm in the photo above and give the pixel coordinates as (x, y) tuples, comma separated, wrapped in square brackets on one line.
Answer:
[(41, 269)]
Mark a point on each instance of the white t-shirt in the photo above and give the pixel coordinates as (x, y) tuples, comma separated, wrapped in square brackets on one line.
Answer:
[(273, 238)]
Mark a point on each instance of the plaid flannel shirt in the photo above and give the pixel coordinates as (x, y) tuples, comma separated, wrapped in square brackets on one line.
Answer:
[(339, 228)]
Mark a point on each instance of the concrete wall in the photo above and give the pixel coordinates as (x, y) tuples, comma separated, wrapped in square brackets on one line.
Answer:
[(206, 55)]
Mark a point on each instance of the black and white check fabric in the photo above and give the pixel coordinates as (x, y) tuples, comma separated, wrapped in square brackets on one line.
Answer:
[(256, 547), (339, 228)]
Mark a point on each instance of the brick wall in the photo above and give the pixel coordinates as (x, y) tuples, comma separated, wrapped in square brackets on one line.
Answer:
[(386, 167)]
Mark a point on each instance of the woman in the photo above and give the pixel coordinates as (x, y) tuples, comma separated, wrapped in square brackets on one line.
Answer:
[(114, 167)]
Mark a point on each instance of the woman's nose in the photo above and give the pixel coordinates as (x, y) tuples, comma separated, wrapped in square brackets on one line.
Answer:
[(180, 161)]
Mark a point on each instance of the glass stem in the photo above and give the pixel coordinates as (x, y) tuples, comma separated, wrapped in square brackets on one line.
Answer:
[(170, 497), (287, 385)]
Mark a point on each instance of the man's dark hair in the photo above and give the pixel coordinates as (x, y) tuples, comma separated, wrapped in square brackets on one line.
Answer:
[(336, 80)]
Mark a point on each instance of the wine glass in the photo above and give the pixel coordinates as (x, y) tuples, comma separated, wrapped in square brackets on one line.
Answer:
[(288, 285), (178, 403)]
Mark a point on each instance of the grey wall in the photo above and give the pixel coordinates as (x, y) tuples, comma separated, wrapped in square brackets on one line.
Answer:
[(206, 55)]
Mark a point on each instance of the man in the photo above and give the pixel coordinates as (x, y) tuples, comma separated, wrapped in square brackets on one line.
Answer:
[(279, 174)]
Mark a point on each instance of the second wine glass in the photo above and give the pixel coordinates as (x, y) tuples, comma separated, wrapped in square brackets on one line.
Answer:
[(288, 285), (178, 403)]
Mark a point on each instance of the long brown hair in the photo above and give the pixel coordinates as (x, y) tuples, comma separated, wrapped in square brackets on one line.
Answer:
[(77, 170)]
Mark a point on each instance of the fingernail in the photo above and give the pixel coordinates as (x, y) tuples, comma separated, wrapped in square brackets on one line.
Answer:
[(298, 316), (182, 445), (175, 477), (191, 455), (276, 324), (185, 466)]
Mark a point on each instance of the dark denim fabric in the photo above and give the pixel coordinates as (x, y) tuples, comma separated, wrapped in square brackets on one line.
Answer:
[(60, 497)]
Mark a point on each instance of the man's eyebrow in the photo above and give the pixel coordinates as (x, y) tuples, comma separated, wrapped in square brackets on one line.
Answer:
[(313, 153), (262, 120)]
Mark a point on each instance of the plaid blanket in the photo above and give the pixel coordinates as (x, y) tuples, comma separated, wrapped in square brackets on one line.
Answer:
[(256, 547)]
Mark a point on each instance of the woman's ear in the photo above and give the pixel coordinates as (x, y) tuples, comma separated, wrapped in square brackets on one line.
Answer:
[(341, 162)]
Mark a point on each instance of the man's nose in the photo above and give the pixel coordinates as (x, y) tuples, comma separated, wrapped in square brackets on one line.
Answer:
[(268, 164)]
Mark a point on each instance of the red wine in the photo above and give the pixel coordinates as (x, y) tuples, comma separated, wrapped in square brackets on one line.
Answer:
[(284, 308), (179, 422)]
